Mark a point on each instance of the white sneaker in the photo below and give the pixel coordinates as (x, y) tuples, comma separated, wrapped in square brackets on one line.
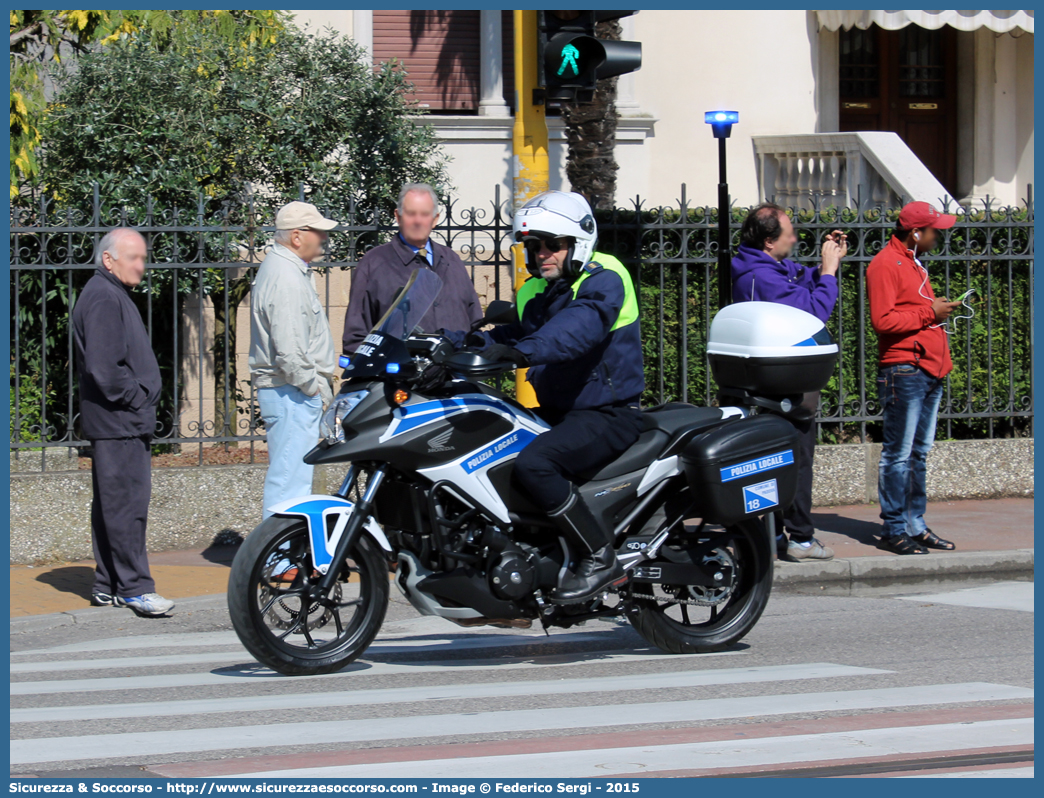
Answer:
[(146, 604), (816, 551)]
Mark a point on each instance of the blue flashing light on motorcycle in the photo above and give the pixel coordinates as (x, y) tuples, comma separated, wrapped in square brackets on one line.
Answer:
[(392, 368)]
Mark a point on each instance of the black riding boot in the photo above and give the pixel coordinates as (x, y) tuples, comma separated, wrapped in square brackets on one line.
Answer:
[(598, 566)]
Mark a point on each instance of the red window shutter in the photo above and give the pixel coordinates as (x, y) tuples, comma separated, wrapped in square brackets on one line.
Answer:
[(438, 49)]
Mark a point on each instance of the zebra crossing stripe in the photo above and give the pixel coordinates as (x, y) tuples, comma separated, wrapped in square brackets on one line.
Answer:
[(693, 757), (98, 747), (253, 673), (268, 703), (378, 648)]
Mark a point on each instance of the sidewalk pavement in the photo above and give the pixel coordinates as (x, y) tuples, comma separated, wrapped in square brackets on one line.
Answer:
[(992, 536)]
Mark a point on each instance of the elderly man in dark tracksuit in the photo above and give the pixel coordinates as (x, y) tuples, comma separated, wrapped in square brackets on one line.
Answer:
[(119, 390), (384, 270), (579, 331)]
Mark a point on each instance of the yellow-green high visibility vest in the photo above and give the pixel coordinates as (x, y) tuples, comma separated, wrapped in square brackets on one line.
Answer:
[(628, 313)]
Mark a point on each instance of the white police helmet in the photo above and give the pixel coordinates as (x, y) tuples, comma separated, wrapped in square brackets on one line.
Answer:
[(558, 214)]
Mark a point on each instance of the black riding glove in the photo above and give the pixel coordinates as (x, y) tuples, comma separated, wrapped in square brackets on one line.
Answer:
[(504, 352), (475, 339)]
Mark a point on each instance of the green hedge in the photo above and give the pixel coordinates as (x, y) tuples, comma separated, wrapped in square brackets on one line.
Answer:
[(991, 252)]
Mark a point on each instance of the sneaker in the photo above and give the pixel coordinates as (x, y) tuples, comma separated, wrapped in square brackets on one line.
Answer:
[(151, 604), (901, 544), (99, 599), (796, 552)]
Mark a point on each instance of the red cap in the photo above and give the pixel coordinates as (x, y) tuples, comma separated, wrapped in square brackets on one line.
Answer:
[(916, 215)]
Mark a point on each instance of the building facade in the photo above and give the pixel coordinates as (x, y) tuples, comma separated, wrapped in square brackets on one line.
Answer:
[(833, 104)]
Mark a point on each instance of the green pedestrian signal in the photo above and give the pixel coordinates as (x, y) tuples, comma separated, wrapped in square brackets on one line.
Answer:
[(572, 59), (569, 56)]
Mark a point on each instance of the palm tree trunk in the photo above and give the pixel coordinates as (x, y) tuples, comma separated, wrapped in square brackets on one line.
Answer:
[(591, 133)]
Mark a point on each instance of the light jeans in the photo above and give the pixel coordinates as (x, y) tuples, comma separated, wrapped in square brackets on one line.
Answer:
[(910, 401), (292, 422)]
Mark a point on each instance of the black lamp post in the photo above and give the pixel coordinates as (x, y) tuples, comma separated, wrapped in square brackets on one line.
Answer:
[(721, 123)]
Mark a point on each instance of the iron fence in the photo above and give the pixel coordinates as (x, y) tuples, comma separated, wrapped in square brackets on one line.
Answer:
[(201, 261)]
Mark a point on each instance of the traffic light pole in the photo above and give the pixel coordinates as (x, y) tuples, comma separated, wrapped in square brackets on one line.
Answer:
[(724, 249), (529, 151)]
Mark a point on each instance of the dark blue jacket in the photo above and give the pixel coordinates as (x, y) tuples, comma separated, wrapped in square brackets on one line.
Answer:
[(757, 276), (577, 361), (119, 377)]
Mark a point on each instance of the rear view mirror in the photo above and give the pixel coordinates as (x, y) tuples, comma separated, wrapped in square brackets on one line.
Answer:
[(498, 311)]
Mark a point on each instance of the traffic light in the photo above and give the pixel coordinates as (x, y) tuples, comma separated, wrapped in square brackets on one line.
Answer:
[(572, 60)]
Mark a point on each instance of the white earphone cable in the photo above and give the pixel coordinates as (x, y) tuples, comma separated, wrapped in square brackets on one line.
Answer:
[(955, 319)]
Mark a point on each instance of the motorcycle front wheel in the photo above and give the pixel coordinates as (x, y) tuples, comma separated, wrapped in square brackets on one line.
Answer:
[(270, 578), (691, 619)]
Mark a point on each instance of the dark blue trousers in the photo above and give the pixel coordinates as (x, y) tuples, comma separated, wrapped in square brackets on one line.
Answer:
[(121, 473), (580, 441)]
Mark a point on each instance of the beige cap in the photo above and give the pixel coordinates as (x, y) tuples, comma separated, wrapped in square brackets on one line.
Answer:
[(299, 215)]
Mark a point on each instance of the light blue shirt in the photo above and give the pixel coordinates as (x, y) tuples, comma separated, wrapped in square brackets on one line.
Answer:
[(427, 247)]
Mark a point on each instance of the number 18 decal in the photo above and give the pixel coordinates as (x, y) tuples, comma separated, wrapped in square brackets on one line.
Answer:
[(760, 497)]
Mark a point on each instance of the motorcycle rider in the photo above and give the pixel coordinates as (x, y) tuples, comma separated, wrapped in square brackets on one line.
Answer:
[(578, 331)]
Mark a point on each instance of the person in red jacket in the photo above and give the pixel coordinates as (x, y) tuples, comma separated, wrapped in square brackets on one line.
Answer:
[(913, 360)]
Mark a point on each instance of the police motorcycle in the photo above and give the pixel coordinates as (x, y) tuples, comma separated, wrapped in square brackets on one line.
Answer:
[(429, 449)]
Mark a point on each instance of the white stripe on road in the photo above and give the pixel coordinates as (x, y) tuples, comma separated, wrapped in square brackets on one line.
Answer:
[(256, 674), (716, 754), (398, 631), (431, 647), (998, 773), (268, 703), (139, 744), (998, 596), (173, 640)]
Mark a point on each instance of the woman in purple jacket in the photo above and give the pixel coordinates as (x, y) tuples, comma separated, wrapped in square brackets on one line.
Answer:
[(761, 272)]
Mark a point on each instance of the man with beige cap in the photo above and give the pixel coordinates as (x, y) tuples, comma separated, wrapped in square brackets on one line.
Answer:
[(292, 354)]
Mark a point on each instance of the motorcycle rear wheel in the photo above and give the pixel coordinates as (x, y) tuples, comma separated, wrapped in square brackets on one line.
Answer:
[(269, 577), (681, 619)]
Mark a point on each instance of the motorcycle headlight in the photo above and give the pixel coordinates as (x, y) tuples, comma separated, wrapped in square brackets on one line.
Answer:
[(330, 426)]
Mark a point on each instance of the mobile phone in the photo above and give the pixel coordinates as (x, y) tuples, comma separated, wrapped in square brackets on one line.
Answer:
[(965, 295)]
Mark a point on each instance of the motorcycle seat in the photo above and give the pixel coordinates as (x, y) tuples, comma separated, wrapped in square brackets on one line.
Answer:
[(646, 449), (676, 417)]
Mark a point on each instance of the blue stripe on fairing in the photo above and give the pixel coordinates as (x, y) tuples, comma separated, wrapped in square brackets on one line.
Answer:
[(807, 342), (313, 511), (510, 444), (417, 415)]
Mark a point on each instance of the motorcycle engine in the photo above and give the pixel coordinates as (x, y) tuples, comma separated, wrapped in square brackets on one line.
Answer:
[(513, 577)]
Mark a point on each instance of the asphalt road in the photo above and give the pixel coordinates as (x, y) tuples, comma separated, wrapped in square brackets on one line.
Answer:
[(935, 681)]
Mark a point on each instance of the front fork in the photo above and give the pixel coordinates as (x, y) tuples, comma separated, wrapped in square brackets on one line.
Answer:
[(352, 530)]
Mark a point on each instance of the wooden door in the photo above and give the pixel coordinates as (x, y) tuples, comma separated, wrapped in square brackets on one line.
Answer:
[(904, 81)]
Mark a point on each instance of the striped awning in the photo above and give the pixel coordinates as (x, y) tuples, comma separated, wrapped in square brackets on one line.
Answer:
[(1013, 22)]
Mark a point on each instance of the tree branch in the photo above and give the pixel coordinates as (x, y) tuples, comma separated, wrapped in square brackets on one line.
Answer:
[(25, 33)]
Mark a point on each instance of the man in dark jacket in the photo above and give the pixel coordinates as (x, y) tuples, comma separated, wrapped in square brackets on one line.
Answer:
[(119, 390), (384, 270), (579, 333), (762, 272)]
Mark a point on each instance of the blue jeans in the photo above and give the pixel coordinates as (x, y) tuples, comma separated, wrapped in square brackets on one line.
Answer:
[(292, 424), (910, 400)]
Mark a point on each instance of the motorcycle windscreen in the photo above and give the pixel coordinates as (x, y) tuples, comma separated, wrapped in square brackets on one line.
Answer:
[(409, 307)]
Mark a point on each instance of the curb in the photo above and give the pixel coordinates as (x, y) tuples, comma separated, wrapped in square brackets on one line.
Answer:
[(39, 623), (858, 571), (891, 568)]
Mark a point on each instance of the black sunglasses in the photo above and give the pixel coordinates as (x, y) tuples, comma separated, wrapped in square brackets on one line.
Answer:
[(553, 244)]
